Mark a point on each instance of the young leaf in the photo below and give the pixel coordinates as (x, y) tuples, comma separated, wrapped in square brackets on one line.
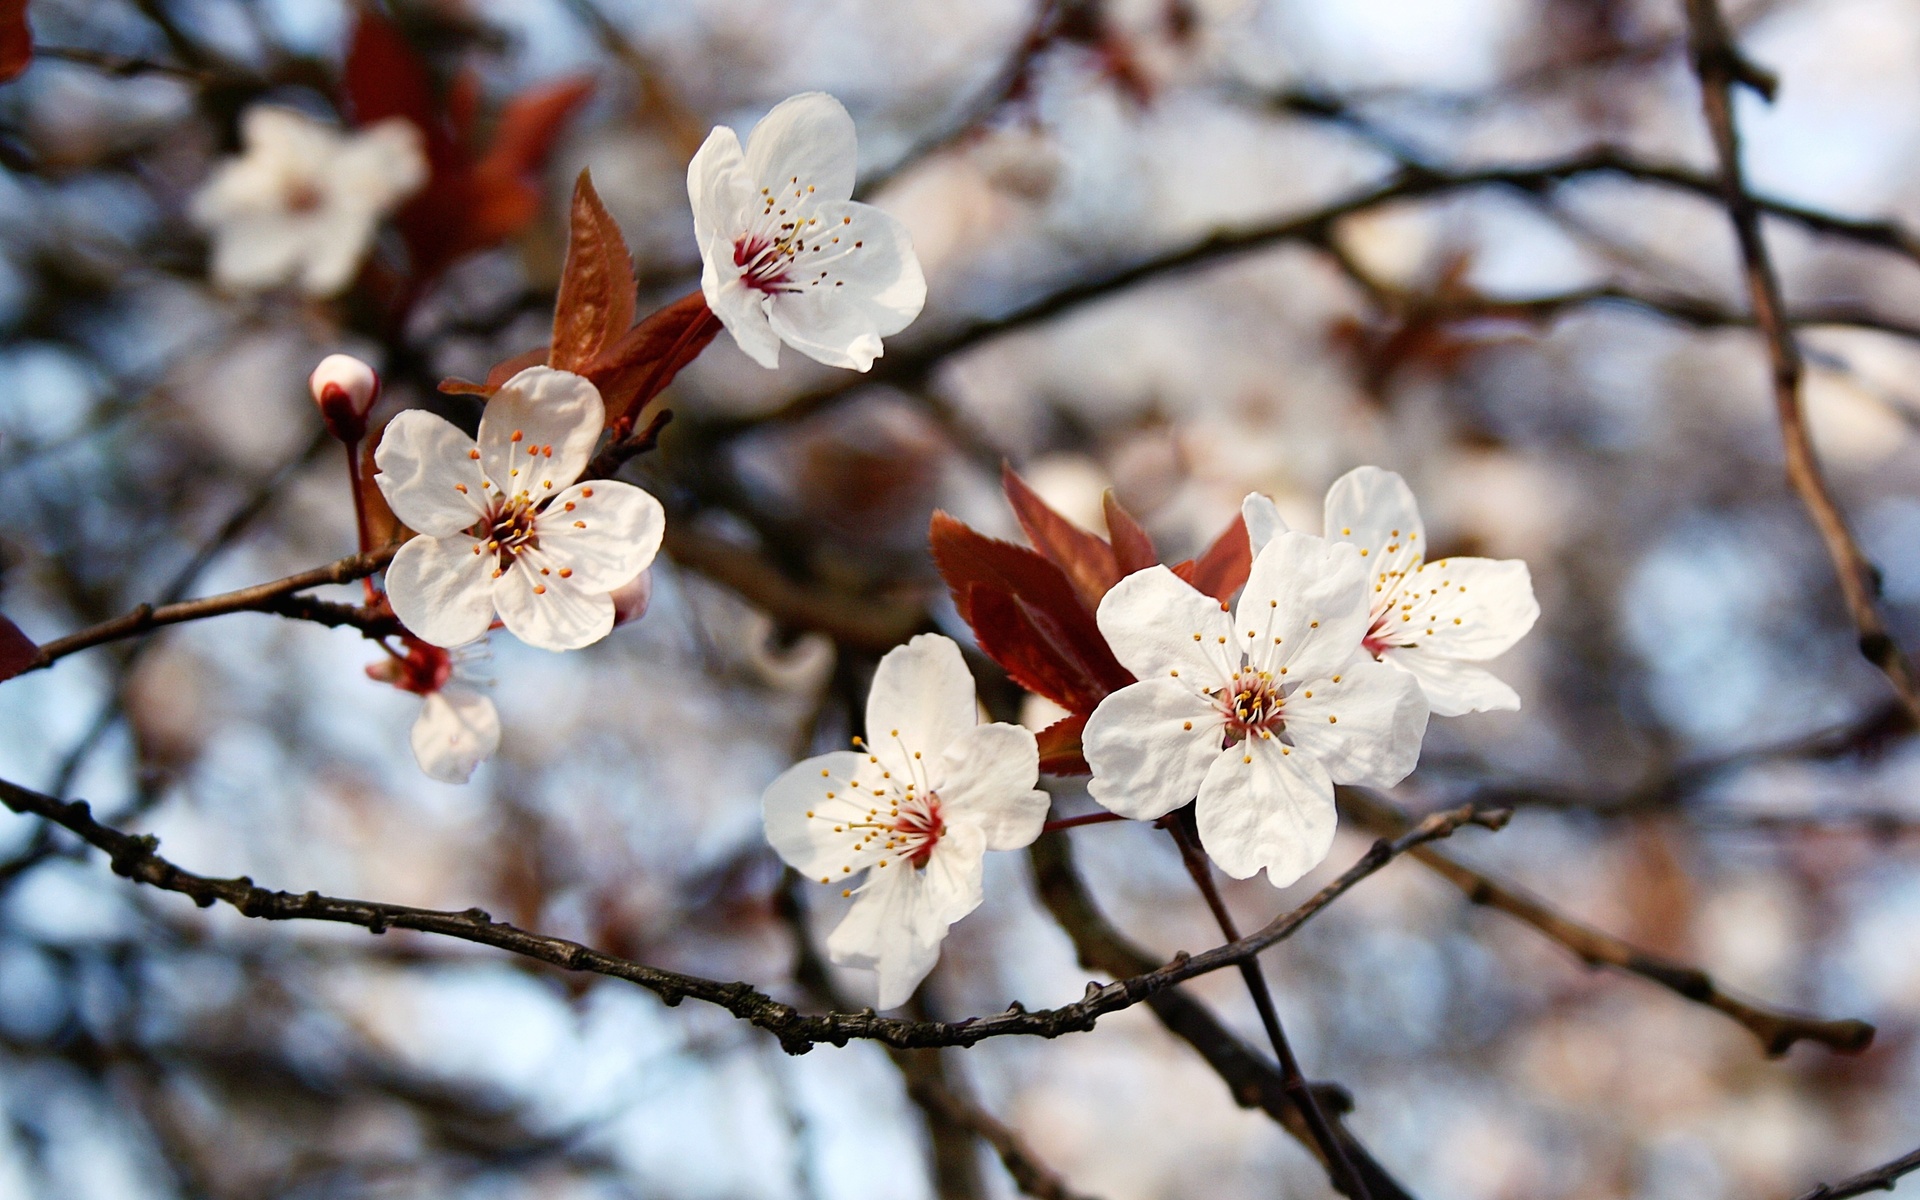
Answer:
[(1221, 570), (17, 651), (595, 304), (501, 371), (1132, 548), (506, 180), (1045, 655), (1085, 558), (644, 360), (1060, 751)]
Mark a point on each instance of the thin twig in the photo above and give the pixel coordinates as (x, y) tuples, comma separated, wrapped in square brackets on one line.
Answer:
[(1720, 66), (1777, 1029), (1879, 1179)]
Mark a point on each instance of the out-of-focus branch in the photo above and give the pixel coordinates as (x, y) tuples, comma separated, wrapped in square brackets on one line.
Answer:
[(1777, 1030), (1879, 1179), (138, 859), (274, 597), (1720, 66)]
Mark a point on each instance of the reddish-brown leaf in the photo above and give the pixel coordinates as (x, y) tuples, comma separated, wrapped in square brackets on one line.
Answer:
[(385, 77), (644, 360), (17, 651), (1060, 750), (1223, 567), (502, 371), (1132, 548), (506, 180), (1084, 557), (595, 304), (16, 51)]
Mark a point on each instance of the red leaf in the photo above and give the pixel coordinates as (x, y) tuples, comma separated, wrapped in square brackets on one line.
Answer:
[(506, 180), (17, 651), (1060, 752), (1132, 548), (502, 371), (1221, 570), (16, 51), (595, 304), (1087, 561), (644, 360), (385, 77)]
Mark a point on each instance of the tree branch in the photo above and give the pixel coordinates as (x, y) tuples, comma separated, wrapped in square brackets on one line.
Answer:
[(1879, 1179)]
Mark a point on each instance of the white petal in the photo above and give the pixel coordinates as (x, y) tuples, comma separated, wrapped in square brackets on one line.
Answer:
[(856, 284), (896, 926), (985, 778), (422, 463), (1149, 746), (922, 699), (1365, 729), (742, 310), (1263, 520), (1162, 627), (807, 141), (807, 843), (1451, 686), (609, 535), (1465, 608), (441, 590), (718, 189), (1304, 609), (549, 612), (1375, 510), (457, 730), (255, 251), (1262, 805), (381, 165), (556, 418), (334, 249)]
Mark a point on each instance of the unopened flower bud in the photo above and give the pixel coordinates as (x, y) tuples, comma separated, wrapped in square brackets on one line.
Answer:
[(631, 598), (345, 389)]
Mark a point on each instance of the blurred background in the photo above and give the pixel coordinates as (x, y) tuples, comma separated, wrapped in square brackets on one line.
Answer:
[(1704, 765)]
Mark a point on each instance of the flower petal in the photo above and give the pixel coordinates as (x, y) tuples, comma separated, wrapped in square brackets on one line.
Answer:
[(1161, 627), (1149, 746), (741, 309), (422, 463), (717, 186), (1466, 608), (985, 778), (1375, 510), (1304, 609), (896, 926), (457, 730), (1451, 686), (1264, 522), (806, 144), (805, 842), (441, 590), (1366, 728), (602, 534), (550, 612), (1265, 805), (852, 286), (922, 699), (539, 430)]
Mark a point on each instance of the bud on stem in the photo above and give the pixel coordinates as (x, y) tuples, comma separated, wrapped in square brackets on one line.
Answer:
[(345, 389)]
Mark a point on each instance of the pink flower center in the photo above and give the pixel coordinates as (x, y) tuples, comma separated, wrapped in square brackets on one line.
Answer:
[(1252, 705), (510, 529), (918, 828), (423, 671), (763, 263)]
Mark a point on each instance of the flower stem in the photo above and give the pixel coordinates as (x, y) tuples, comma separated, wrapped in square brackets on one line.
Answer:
[(1099, 818), (1181, 825), (360, 511)]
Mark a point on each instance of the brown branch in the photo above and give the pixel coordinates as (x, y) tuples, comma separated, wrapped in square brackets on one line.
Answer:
[(261, 597), (1720, 67), (1032, 1176), (138, 859), (1879, 1179), (1777, 1030)]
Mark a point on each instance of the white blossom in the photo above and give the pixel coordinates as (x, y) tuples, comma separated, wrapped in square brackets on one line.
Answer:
[(302, 201), (1255, 713), (503, 526), (1432, 620), (458, 727), (787, 255), (916, 810)]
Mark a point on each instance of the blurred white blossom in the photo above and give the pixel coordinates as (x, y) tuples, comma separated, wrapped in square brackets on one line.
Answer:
[(917, 812), (458, 728), (301, 203), (501, 529), (787, 255)]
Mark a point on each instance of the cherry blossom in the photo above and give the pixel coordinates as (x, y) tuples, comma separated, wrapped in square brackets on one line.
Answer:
[(916, 809), (458, 728), (1432, 620), (1256, 713), (503, 526), (345, 389), (301, 203), (788, 255)]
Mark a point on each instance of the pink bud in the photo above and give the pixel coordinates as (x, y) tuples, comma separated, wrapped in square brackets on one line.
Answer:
[(345, 389), (631, 598)]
